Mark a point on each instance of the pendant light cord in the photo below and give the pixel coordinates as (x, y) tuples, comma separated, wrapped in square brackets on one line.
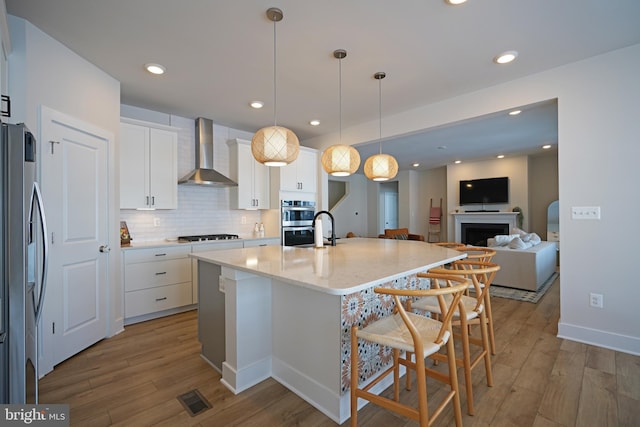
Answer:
[(275, 102), (340, 97), (380, 110)]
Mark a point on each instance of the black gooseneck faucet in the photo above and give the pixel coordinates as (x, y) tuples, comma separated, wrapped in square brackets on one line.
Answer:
[(333, 225)]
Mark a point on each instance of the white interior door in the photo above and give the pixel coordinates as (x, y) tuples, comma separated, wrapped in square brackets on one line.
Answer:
[(74, 157), (390, 210)]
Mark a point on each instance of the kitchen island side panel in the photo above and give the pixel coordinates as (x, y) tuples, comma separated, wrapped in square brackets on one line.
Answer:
[(306, 343), (211, 323)]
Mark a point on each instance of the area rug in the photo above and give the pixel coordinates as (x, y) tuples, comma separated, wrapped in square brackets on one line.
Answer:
[(521, 295)]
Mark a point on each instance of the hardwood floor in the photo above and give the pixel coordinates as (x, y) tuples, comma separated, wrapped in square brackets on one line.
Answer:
[(133, 379)]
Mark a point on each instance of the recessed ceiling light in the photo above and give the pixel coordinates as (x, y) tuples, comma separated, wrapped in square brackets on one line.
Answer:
[(546, 147), (155, 68), (256, 104), (455, 2), (506, 57), (457, 162), (415, 165), (314, 122), (515, 112), (500, 156)]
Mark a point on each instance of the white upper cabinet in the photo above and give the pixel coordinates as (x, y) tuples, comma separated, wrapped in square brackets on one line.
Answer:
[(148, 167), (299, 176), (252, 177)]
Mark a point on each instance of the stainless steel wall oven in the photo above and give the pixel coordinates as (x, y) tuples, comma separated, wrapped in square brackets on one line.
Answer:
[(296, 220)]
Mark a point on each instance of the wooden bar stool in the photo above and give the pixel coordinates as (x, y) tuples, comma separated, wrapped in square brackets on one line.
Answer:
[(471, 311), (414, 333), (478, 253), (450, 245)]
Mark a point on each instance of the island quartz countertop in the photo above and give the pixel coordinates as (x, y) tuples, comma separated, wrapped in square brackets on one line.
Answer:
[(352, 265)]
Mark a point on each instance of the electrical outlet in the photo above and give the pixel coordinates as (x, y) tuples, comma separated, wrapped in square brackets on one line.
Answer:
[(596, 300), (156, 222), (585, 212), (243, 220)]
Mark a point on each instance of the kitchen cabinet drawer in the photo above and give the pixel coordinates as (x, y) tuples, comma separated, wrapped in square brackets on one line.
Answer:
[(156, 254), (161, 298), (145, 275), (273, 241)]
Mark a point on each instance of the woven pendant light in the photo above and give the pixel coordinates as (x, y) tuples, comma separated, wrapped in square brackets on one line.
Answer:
[(380, 167), (340, 159), (275, 145)]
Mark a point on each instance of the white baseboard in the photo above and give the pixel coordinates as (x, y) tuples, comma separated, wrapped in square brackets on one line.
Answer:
[(617, 342)]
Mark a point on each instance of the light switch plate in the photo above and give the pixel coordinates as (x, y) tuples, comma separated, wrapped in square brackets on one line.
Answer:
[(585, 212)]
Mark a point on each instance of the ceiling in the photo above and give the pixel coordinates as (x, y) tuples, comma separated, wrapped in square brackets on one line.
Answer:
[(219, 57)]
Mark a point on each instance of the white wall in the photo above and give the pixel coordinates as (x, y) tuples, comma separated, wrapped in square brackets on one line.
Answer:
[(433, 185), (598, 148), (350, 213), (43, 72), (515, 168)]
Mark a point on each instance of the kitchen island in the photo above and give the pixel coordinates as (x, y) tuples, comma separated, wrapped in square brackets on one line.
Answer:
[(287, 312)]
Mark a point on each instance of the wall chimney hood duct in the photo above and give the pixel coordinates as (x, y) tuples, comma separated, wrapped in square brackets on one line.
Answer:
[(204, 174)]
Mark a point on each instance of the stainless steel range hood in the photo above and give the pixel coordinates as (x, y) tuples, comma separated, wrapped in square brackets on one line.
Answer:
[(204, 174)]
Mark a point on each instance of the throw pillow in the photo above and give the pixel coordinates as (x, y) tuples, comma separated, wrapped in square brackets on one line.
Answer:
[(534, 239), (517, 243), (401, 237)]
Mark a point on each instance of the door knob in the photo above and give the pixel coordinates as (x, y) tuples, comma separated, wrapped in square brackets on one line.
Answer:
[(105, 248)]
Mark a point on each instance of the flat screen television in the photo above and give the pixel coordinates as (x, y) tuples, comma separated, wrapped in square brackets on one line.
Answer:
[(484, 191)]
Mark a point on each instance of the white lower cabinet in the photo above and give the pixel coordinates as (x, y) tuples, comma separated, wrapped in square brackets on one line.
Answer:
[(155, 280), (164, 280)]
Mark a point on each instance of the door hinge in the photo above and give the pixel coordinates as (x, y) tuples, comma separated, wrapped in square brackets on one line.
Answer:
[(52, 144)]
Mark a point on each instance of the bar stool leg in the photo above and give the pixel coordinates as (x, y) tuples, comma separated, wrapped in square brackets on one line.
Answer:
[(354, 378), (492, 338), (485, 345), (466, 363), (453, 378)]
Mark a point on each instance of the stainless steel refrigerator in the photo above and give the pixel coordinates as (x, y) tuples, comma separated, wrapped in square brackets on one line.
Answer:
[(23, 263)]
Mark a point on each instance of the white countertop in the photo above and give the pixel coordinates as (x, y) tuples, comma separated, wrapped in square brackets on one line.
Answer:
[(350, 266), (175, 242)]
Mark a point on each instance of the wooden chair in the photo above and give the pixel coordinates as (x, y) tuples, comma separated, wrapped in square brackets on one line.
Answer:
[(450, 245), (400, 234), (483, 254), (409, 332), (471, 311)]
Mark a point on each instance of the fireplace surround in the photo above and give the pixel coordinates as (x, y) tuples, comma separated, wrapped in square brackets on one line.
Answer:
[(476, 234), (484, 220)]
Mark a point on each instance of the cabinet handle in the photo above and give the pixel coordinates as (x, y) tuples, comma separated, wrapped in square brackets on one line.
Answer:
[(161, 273), (153, 200), (161, 255), (161, 299), (147, 202)]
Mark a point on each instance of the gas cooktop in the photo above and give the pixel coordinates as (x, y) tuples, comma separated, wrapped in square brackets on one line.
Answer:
[(206, 237)]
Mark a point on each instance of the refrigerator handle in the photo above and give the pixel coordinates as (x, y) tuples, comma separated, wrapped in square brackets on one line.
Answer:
[(36, 202)]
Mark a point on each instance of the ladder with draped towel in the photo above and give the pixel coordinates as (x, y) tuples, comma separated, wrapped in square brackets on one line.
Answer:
[(435, 222)]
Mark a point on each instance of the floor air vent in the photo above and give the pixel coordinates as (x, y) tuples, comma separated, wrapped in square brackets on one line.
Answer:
[(194, 402)]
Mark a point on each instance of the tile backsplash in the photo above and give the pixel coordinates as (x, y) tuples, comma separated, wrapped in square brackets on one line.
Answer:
[(201, 209)]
